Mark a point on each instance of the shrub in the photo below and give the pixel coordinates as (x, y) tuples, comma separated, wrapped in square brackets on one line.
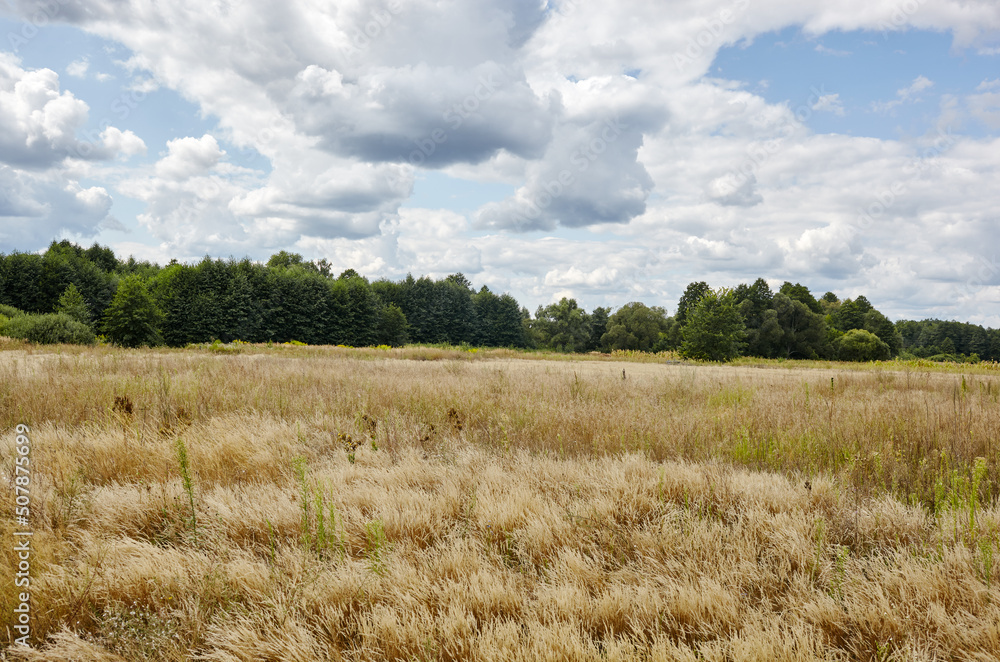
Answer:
[(861, 345), (10, 311), (48, 329)]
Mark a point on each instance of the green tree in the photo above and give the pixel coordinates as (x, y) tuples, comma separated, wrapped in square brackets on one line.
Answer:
[(830, 304), (499, 320), (714, 330), (692, 295), (850, 315), (598, 327), (799, 292), (562, 326), (635, 326), (803, 331), (392, 327), (755, 304), (670, 338), (861, 345), (132, 319), (71, 303), (458, 310), (877, 323), (284, 259), (102, 257)]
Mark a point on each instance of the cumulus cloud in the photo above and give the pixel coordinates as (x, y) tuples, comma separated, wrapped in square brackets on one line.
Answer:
[(42, 160), (735, 189), (78, 68), (985, 106), (829, 103), (188, 157), (388, 114), (37, 207), (590, 175), (39, 122), (700, 178)]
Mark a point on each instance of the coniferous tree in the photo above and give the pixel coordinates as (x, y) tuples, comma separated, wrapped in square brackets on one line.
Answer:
[(132, 319), (392, 327), (71, 303), (714, 330), (692, 295)]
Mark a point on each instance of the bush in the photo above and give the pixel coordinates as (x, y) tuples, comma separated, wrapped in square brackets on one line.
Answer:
[(48, 329), (861, 345), (10, 311)]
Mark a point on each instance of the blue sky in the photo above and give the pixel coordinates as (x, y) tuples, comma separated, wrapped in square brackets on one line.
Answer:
[(572, 148), (865, 69)]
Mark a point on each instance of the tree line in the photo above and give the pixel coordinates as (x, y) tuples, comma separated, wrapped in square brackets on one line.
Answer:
[(70, 294), (288, 299), (722, 324)]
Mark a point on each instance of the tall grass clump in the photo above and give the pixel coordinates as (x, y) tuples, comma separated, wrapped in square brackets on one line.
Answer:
[(188, 483)]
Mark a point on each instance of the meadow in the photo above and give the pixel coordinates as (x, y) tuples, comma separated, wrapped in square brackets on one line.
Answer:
[(252, 502)]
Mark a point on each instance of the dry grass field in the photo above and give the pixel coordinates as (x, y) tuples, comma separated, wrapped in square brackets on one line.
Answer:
[(287, 503)]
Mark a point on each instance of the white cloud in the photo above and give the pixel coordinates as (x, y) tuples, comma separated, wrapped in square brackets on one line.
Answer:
[(704, 180), (188, 157), (144, 85), (907, 94), (78, 68), (42, 160), (829, 103), (39, 122), (735, 189), (38, 207), (820, 48)]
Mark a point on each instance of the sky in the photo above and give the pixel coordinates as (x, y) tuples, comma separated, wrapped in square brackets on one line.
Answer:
[(611, 152)]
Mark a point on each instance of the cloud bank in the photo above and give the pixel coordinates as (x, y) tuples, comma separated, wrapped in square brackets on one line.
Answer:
[(644, 172)]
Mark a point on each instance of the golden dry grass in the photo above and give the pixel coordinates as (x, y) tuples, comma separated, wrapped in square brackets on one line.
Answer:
[(500, 508)]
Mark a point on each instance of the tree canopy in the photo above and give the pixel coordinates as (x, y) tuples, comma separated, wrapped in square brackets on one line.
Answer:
[(714, 330), (291, 298)]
